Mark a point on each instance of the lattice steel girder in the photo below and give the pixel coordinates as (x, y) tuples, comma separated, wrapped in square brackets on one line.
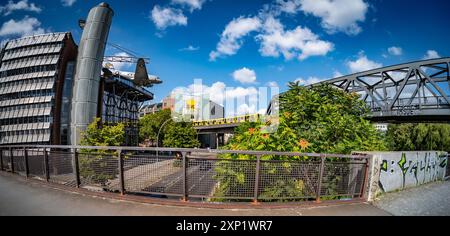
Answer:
[(399, 67), (398, 77)]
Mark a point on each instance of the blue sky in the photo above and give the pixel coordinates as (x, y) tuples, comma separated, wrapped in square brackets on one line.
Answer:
[(252, 43)]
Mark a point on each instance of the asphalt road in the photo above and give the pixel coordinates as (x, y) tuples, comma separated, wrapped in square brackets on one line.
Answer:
[(19, 197)]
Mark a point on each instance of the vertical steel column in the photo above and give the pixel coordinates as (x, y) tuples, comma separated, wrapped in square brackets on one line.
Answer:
[(11, 158), (185, 180), (27, 168), (1, 159), (257, 173), (46, 166), (121, 175), (77, 167), (319, 185)]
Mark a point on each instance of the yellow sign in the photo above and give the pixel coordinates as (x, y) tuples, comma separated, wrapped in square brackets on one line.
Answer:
[(191, 104)]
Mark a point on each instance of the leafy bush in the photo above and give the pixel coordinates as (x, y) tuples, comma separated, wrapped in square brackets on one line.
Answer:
[(98, 166), (418, 137), (321, 119), (181, 135), (173, 134)]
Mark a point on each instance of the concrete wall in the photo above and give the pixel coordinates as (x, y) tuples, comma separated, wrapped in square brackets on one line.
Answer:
[(392, 171)]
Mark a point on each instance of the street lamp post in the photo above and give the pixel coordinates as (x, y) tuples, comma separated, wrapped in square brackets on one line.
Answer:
[(159, 131)]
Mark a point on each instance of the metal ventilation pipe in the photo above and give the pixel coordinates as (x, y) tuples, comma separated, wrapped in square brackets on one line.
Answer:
[(88, 70)]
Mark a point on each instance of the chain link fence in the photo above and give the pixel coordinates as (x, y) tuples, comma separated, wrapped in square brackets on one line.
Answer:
[(194, 174)]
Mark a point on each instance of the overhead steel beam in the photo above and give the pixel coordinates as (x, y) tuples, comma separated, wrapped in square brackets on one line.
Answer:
[(435, 85), (430, 97), (403, 67), (397, 95)]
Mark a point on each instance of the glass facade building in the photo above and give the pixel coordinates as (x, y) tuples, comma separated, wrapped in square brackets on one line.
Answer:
[(32, 75)]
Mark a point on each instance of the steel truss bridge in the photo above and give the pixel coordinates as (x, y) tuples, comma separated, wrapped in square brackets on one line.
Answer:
[(411, 92)]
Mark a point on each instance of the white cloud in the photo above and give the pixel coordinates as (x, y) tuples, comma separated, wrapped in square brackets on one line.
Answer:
[(190, 48), (309, 81), (274, 40), (166, 16), (395, 51), (230, 41), (337, 74), (68, 3), (192, 4), (245, 109), (299, 42), (25, 27), (362, 64), (337, 15), (431, 54), (277, 7), (217, 92), (236, 100), (288, 6), (3, 42), (121, 65), (272, 84), (10, 7), (245, 75)]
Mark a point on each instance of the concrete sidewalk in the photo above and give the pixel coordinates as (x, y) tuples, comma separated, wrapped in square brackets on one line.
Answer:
[(19, 197), (432, 199)]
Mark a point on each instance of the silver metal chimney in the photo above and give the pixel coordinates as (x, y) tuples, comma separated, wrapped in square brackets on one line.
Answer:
[(89, 64)]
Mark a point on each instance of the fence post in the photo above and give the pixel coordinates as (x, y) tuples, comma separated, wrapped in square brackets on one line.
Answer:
[(1, 159), (366, 177), (46, 166), (77, 167), (319, 185), (185, 180), (257, 172), (27, 167), (121, 175), (11, 158)]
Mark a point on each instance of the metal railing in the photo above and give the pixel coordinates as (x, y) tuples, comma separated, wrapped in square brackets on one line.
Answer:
[(194, 174)]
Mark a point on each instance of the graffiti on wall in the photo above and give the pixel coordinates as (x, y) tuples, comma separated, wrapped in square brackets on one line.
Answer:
[(402, 170)]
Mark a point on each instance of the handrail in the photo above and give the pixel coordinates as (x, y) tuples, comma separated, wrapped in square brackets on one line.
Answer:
[(189, 174), (197, 150)]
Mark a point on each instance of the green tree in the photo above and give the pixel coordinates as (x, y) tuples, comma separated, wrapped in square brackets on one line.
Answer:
[(173, 134), (150, 124), (321, 119), (98, 134), (99, 166), (418, 137), (181, 135)]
